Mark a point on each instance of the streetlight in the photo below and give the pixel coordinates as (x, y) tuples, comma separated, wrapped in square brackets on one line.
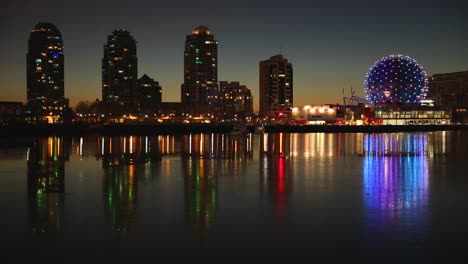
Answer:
[(294, 112)]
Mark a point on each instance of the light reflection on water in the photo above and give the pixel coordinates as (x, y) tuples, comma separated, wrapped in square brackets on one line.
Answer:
[(396, 191), (396, 144), (320, 145), (46, 184), (396, 180), (200, 195), (275, 180), (120, 197), (216, 145), (276, 185)]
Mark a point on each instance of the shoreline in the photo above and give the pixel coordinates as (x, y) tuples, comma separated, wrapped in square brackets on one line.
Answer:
[(18, 130), (362, 128)]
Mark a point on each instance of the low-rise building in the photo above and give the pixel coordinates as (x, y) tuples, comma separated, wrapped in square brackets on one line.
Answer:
[(318, 114), (11, 112), (411, 115)]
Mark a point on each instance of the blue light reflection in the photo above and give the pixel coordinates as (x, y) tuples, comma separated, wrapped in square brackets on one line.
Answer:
[(395, 144), (396, 191)]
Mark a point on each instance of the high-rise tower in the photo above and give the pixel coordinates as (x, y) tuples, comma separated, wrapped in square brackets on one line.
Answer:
[(199, 92), (119, 73), (276, 87), (45, 74)]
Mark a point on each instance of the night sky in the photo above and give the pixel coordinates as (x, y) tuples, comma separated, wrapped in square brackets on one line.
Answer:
[(331, 44)]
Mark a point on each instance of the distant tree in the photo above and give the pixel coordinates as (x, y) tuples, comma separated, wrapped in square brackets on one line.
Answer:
[(83, 107), (86, 107), (67, 115)]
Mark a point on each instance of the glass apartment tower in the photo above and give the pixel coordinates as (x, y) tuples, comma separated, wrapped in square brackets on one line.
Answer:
[(199, 92), (45, 75), (119, 74)]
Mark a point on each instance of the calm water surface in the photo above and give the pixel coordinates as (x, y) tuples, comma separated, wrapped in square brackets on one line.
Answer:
[(368, 197)]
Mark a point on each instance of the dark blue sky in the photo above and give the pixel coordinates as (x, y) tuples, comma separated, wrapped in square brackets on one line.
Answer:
[(331, 44)]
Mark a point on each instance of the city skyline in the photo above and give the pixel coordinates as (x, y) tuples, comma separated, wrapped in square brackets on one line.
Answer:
[(331, 46)]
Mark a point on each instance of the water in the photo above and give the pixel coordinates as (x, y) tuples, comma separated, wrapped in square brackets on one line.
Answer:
[(366, 197)]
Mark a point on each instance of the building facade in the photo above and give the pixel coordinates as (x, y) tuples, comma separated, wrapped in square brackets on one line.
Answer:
[(318, 114), (120, 74), (11, 112), (411, 115), (235, 100), (149, 96), (276, 87), (171, 109), (45, 75), (450, 91), (199, 92)]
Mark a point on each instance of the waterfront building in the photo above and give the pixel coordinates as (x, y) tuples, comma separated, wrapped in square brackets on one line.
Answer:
[(199, 92), (397, 87), (171, 109), (119, 74), (235, 99), (330, 114), (411, 115), (276, 87), (450, 91), (149, 96), (318, 114), (45, 75), (11, 112)]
